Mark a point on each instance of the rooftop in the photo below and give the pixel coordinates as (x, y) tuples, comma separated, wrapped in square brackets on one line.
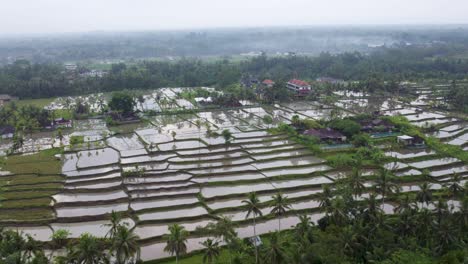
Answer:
[(299, 82)]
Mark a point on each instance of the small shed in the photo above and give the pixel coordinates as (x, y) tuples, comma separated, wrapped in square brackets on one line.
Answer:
[(326, 134), (62, 122), (410, 141)]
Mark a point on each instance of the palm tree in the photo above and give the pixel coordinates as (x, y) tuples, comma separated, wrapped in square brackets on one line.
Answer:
[(424, 195), (227, 135), (304, 230), (356, 182), (424, 218), (125, 245), (253, 209), (275, 251), (211, 251), (176, 241), (295, 120), (337, 211), (325, 198), (441, 210), (404, 205), (385, 185), (224, 229), (280, 205), (88, 250), (446, 237), (115, 218), (304, 227), (373, 210), (454, 186)]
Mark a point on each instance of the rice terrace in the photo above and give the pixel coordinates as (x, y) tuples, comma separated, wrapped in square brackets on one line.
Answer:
[(189, 162), (234, 132)]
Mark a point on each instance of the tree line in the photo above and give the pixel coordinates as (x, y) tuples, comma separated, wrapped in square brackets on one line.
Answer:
[(30, 80)]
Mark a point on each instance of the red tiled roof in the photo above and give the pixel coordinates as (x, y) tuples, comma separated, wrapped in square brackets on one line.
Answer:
[(268, 81), (299, 82)]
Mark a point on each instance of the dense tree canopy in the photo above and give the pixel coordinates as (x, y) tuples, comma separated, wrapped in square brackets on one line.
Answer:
[(28, 80)]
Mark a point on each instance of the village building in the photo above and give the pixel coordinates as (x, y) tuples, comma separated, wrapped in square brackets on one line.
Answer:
[(299, 87), (249, 81), (268, 83), (262, 88), (326, 135), (5, 98), (62, 123), (413, 141), (7, 131), (329, 80), (376, 125)]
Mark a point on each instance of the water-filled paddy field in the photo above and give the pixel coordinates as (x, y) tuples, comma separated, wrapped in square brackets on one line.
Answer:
[(157, 177)]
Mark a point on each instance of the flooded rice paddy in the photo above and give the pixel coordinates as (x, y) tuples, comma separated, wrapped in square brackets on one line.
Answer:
[(157, 177)]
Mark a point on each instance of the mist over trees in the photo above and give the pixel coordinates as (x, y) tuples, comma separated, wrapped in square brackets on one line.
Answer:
[(221, 42), (31, 80)]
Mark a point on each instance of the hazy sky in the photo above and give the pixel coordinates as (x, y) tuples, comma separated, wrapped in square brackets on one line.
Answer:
[(43, 16)]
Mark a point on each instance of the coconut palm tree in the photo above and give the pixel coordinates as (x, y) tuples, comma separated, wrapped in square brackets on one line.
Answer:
[(424, 195), (325, 198), (454, 187), (211, 251), (88, 250), (115, 219), (176, 241), (385, 185), (404, 205), (304, 228), (372, 210), (223, 229), (253, 209), (227, 135), (337, 211), (425, 221), (356, 182), (125, 245), (275, 251), (441, 210), (280, 205)]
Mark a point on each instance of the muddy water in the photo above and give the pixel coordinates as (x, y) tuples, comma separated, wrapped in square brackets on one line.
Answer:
[(104, 185), (433, 162), (40, 233), (272, 225), (284, 154), (101, 157), (181, 145), (408, 153), (293, 171), (156, 250), (231, 177), (75, 211), (165, 193), (146, 158), (92, 172), (301, 161), (173, 214), (96, 228), (89, 197), (154, 230), (108, 176), (456, 169), (140, 205)]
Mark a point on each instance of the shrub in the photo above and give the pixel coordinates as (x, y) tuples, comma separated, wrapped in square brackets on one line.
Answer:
[(348, 127), (361, 140)]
